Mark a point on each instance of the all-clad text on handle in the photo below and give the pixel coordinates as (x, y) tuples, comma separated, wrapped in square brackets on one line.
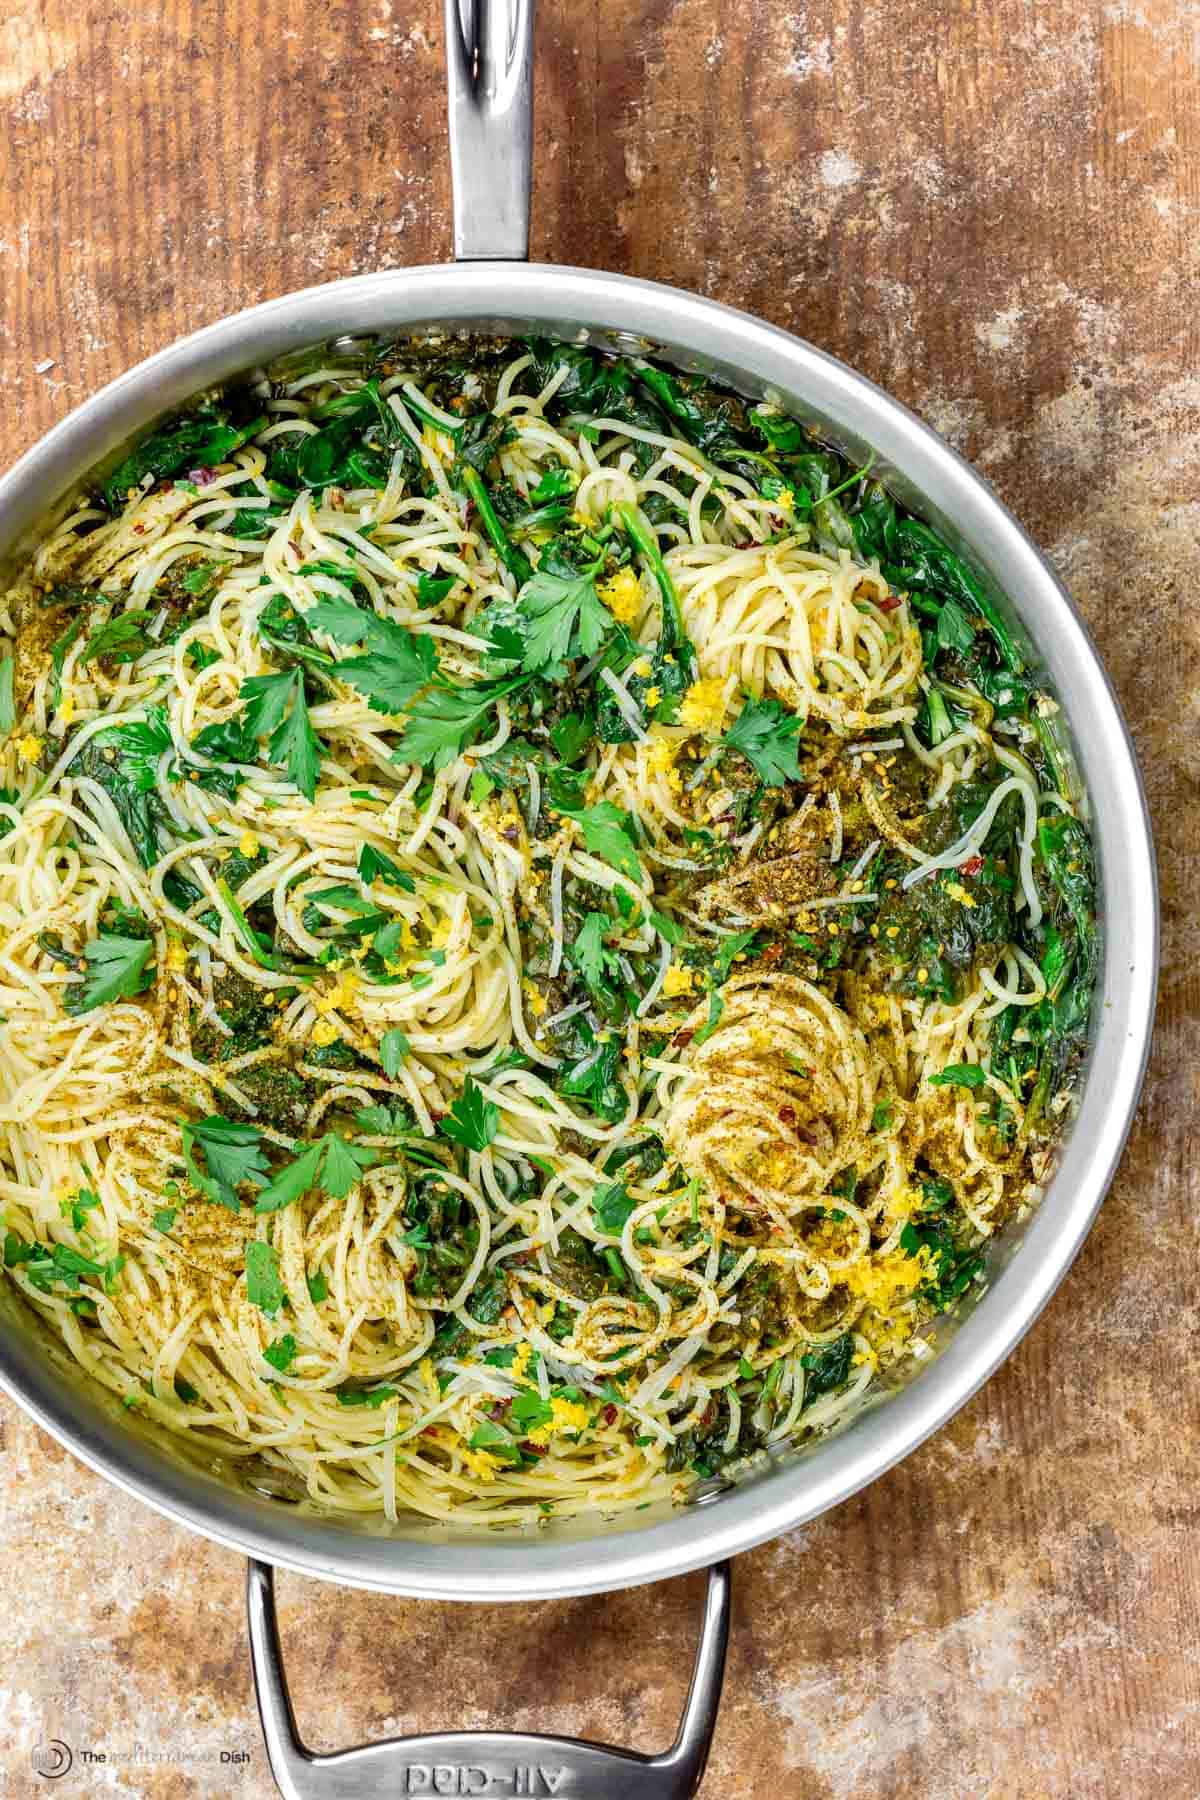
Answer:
[(516, 1765)]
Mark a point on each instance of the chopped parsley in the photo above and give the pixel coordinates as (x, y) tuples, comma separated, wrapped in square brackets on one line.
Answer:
[(473, 1120)]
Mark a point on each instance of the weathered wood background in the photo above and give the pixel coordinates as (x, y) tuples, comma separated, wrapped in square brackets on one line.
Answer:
[(992, 209)]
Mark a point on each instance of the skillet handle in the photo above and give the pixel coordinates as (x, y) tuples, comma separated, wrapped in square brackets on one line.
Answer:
[(517, 1765), (489, 68)]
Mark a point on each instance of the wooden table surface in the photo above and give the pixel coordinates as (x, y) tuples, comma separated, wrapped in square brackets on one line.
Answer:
[(991, 209)]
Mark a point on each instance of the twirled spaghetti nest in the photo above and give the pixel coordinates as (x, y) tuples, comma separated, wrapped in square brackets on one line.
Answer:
[(777, 1100)]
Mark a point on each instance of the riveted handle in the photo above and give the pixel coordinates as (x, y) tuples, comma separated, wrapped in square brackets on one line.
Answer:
[(517, 1765), (489, 67)]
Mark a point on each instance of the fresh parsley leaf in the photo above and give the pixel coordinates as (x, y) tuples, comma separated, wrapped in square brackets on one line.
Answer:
[(265, 701), (472, 1121), (766, 736), (606, 833), (443, 721), (396, 662), (292, 740), (373, 865), (318, 1288), (331, 1163), (572, 734), (233, 1155), (294, 744), (164, 1218), (116, 971), (589, 955), (264, 1286), (388, 940), (531, 1412), (563, 615), (348, 624), (16, 1250), (345, 1164), (393, 1048), (881, 1116), (351, 625), (966, 1075), (282, 1352), (293, 1181)]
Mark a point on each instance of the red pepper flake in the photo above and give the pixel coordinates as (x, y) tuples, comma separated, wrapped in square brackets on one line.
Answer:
[(787, 1115), (972, 866), (201, 477), (889, 603), (139, 529), (771, 954), (684, 1037), (609, 1415), (532, 1449)]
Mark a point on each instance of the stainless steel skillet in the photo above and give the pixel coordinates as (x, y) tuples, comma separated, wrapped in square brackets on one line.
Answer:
[(493, 289)]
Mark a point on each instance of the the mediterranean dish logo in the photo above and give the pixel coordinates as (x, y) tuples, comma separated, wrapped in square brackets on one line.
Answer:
[(52, 1758)]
